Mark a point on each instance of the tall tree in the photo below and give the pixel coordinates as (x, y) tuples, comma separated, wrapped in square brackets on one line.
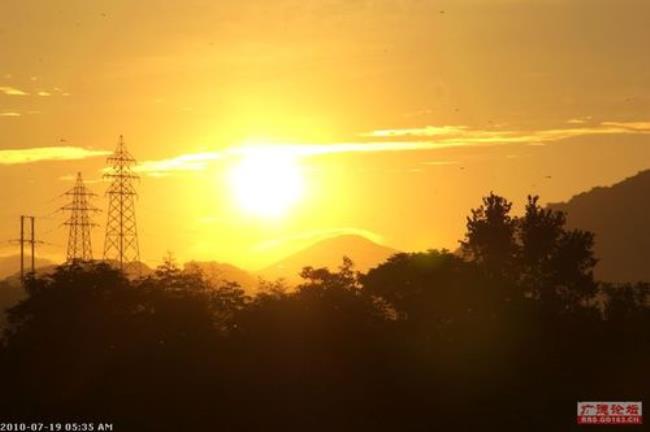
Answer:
[(490, 237), (556, 264), (538, 233)]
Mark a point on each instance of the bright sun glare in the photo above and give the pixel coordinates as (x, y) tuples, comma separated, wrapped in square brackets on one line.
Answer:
[(266, 183)]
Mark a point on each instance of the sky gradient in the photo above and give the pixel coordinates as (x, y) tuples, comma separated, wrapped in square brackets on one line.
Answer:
[(400, 114)]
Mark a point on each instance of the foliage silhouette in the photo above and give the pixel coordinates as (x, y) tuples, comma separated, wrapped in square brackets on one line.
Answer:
[(507, 336), (490, 238)]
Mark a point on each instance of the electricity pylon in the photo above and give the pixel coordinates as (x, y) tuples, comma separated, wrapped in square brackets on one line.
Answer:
[(121, 242), (79, 222)]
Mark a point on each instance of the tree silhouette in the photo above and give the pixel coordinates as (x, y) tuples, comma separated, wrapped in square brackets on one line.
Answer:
[(536, 251), (556, 264), (490, 235), (539, 231), (510, 334), (435, 286)]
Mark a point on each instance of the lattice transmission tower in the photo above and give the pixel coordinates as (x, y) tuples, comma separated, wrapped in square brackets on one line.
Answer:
[(121, 242), (79, 222)]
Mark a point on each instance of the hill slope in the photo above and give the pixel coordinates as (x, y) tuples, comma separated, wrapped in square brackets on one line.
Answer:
[(221, 272), (328, 253), (620, 217), (10, 265), (11, 292)]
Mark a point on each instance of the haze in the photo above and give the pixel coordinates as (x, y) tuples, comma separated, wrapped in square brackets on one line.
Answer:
[(389, 119)]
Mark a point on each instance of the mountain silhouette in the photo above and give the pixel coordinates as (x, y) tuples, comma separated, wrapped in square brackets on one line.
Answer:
[(10, 265), (619, 215), (328, 253), (221, 272), (11, 290), (132, 270)]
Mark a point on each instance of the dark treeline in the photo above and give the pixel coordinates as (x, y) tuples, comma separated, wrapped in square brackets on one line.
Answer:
[(506, 334)]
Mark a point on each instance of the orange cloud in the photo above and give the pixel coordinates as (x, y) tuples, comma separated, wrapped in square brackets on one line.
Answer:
[(12, 91), (187, 162), (412, 139), (463, 135), (41, 154)]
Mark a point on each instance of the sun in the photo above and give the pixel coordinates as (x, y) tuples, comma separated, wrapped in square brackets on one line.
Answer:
[(266, 183)]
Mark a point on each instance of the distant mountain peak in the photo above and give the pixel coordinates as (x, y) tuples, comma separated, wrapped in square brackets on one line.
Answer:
[(329, 252)]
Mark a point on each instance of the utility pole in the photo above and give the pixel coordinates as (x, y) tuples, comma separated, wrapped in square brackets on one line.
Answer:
[(22, 248), (121, 241), (79, 222), (31, 241), (33, 244)]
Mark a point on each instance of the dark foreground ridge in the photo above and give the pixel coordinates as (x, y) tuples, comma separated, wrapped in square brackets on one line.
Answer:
[(508, 335)]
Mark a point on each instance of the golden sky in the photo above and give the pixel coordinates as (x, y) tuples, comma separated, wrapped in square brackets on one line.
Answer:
[(385, 118)]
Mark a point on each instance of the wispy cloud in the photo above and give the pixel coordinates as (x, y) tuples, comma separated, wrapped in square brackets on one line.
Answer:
[(72, 178), (463, 135), (395, 140), (187, 162), (427, 131), (10, 114), (40, 154), (61, 92), (12, 91), (643, 127), (191, 162), (579, 120), (306, 150)]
